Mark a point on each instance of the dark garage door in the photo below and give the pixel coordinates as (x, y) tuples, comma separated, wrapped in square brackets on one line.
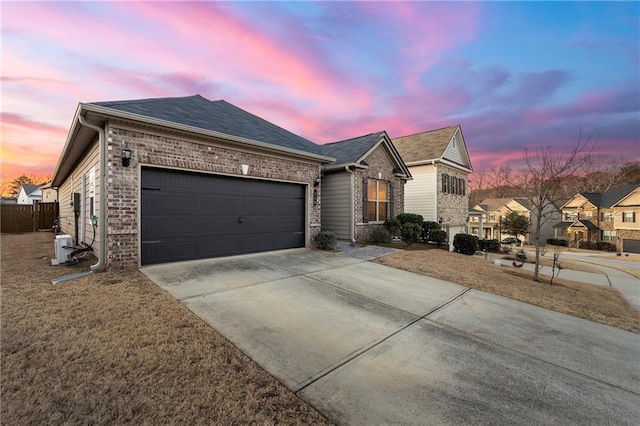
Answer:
[(631, 246), (195, 216)]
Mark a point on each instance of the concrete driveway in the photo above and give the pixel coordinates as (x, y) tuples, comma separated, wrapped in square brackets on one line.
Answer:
[(368, 344)]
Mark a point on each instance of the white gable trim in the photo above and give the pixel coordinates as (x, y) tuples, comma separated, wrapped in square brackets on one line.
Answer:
[(456, 151)]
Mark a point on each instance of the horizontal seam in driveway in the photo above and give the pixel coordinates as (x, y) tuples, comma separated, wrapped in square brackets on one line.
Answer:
[(294, 275), (496, 344), (353, 355)]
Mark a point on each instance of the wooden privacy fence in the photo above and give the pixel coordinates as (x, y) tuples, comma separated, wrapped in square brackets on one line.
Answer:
[(27, 217)]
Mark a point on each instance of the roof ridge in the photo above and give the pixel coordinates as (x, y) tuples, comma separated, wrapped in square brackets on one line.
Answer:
[(149, 100), (350, 139), (426, 131)]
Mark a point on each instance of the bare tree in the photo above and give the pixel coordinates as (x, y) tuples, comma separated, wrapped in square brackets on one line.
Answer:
[(501, 180), (11, 187), (541, 181)]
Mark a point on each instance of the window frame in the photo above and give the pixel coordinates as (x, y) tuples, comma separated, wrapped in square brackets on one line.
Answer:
[(378, 201)]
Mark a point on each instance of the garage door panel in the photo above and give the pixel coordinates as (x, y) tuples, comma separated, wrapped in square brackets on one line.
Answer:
[(190, 215)]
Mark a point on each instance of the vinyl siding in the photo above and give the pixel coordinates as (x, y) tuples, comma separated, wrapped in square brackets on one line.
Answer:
[(336, 204), (420, 193), (72, 184), (453, 153)]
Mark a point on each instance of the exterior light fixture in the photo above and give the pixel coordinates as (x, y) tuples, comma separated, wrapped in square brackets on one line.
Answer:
[(245, 169), (126, 156), (440, 220), (317, 181)]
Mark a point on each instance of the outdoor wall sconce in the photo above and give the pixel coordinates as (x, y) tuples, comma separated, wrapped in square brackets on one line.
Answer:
[(315, 197), (440, 220), (126, 156), (245, 169), (318, 180)]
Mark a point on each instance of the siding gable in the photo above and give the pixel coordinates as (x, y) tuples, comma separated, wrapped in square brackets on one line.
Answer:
[(456, 150)]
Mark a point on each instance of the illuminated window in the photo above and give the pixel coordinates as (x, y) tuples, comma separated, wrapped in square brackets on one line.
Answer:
[(377, 200), (629, 216)]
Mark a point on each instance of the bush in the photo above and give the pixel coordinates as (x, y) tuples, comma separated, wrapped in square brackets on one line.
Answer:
[(465, 244), (392, 225), (325, 240), (411, 233), (557, 242), (410, 218), (489, 245), (428, 227), (438, 236), (597, 245), (379, 235)]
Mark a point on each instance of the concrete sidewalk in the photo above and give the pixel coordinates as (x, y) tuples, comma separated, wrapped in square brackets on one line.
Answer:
[(626, 284)]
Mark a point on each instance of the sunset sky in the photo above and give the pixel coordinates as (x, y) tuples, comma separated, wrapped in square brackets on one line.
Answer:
[(512, 74)]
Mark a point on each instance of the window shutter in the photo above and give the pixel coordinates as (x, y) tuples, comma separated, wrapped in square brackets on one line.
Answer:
[(634, 217), (390, 209), (365, 210)]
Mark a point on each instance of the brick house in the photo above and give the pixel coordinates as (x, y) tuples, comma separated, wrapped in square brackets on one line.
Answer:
[(363, 187), (170, 179), (611, 216), (491, 211), (440, 165)]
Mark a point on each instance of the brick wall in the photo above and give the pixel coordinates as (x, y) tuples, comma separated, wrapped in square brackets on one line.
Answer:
[(379, 162), (214, 156), (452, 208)]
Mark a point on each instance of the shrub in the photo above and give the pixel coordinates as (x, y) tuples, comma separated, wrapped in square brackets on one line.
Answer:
[(465, 243), (411, 233), (410, 218), (428, 227), (557, 242), (325, 240), (438, 236), (489, 245), (379, 235), (392, 225), (597, 245)]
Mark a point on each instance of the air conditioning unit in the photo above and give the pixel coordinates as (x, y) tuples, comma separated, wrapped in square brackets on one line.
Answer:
[(63, 246)]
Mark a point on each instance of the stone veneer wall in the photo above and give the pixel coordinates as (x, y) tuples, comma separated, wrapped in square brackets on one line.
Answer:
[(452, 208), (378, 161), (206, 155)]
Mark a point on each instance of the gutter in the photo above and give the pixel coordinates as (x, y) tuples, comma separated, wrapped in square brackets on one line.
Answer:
[(102, 221), (352, 226)]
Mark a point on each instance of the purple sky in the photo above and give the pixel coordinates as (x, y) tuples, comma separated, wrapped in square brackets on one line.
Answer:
[(512, 74)]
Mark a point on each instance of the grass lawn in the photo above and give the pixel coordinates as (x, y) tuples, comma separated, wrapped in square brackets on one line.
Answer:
[(115, 348), (595, 303)]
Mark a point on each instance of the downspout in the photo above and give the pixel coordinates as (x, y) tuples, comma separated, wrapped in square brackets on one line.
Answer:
[(352, 226), (103, 193)]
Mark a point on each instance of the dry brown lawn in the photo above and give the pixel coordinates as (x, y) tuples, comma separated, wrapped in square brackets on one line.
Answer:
[(595, 303), (115, 348)]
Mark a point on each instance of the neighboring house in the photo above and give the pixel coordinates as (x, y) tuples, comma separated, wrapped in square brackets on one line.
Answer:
[(49, 195), (29, 194), (439, 164), (204, 179), (612, 216), (491, 211), (363, 187), (6, 200)]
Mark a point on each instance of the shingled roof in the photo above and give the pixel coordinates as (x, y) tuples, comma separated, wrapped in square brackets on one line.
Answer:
[(424, 146), (609, 198), (28, 189), (219, 116), (350, 151)]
